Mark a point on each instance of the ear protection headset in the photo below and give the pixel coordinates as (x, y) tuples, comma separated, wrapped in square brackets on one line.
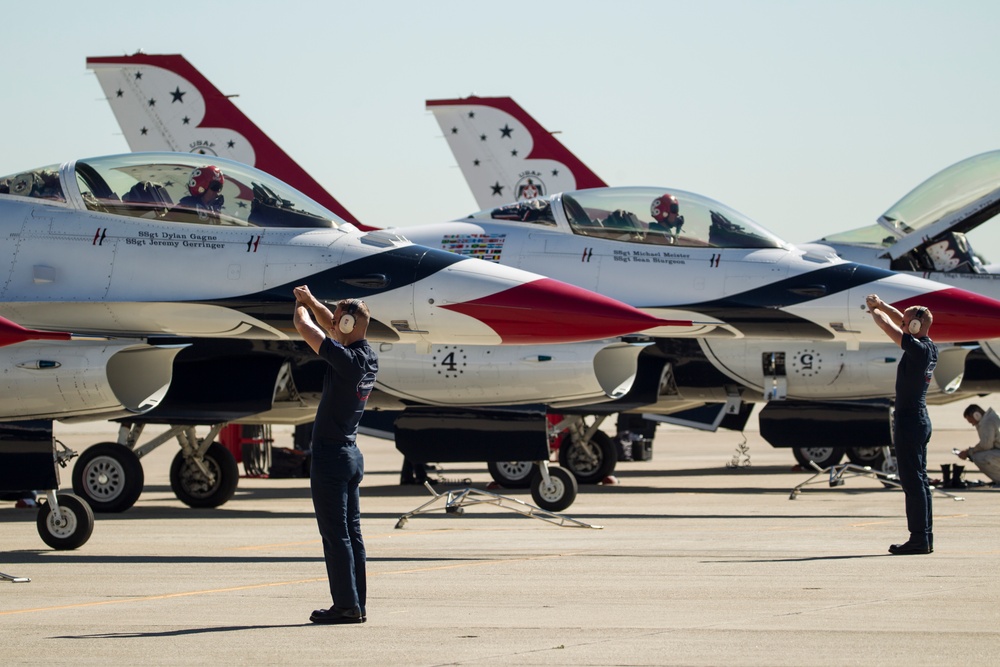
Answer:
[(347, 318), (914, 326), (977, 415)]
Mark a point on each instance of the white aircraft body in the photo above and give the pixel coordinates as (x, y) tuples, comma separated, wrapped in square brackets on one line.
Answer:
[(774, 321), (113, 250), (923, 234)]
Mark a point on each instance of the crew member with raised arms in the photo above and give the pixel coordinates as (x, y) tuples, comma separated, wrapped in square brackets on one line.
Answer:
[(337, 464), (911, 423)]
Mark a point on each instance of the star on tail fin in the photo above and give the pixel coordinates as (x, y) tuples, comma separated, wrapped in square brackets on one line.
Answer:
[(162, 102), (505, 154)]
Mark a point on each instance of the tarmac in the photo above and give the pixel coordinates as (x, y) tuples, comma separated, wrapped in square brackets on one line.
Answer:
[(697, 563)]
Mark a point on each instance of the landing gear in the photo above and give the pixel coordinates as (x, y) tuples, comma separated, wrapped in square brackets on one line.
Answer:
[(873, 457), (511, 474), (553, 489), (824, 457), (204, 479), (109, 477), (589, 459), (65, 521)]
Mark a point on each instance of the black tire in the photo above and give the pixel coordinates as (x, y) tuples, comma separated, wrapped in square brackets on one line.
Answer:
[(589, 467), (824, 457), (559, 495), (109, 477), (194, 490), (511, 474), (73, 530), (867, 456)]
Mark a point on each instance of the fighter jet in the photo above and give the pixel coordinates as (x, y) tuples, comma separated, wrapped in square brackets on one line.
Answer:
[(739, 282), (924, 234), (115, 264)]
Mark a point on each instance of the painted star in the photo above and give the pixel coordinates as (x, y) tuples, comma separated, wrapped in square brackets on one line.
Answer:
[(472, 114), (143, 131), (138, 75), (186, 120), (482, 137), (555, 172), (513, 153), (497, 189), (505, 131), (152, 102), (230, 143), (119, 92), (454, 130), (178, 96), (475, 163)]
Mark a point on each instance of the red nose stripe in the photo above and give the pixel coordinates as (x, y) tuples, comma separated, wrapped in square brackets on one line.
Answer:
[(958, 315), (550, 311), (11, 333)]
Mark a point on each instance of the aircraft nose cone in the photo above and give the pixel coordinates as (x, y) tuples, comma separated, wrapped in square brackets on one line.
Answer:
[(550, 311), (958, 315), (12, 333)]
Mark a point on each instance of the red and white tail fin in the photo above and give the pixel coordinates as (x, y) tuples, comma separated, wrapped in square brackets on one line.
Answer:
[(505, 154), (162, 103)]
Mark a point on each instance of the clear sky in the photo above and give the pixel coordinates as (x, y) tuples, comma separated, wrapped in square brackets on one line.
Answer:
[(809, 117)]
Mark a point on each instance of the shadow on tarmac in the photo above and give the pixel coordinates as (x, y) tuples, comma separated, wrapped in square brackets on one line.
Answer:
[(179, 633)]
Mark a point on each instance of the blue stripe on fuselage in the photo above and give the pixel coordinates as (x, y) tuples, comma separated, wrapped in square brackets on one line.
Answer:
[(758, 312), (358, 279)]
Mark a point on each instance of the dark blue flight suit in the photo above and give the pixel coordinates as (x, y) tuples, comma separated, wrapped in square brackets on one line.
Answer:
[(912, 432), (338, 466)]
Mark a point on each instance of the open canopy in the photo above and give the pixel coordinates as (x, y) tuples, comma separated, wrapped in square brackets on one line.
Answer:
[(953, 201)]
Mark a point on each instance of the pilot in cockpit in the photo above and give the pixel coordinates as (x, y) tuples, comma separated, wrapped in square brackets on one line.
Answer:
[(205, 184), (666, 212)]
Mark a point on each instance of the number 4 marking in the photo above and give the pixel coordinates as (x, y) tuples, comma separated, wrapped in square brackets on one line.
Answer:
[(449, 362)]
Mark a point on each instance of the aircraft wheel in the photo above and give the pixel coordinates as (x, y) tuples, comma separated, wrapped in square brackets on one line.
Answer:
[(109, 477), (867, 456), (194, 489), (556, 496), (589, 465), (823, 456), (511, 474), (73, 529)]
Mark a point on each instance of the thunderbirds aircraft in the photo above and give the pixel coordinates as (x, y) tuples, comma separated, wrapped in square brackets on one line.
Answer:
[(922, 234), (740, 283), (113, 250)]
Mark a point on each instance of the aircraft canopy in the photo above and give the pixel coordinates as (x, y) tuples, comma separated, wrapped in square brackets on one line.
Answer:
[(155, 185)]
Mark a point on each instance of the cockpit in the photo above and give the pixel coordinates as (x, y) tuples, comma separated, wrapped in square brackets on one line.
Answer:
[(933, 219), (171, 187), (641, 215)]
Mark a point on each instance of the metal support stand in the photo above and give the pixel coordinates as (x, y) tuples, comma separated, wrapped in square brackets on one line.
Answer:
[(13, 579), (836, 475), (455, 502)]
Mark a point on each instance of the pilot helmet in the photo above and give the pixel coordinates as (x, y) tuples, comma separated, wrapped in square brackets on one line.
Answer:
[(204, 178), (664, 205)]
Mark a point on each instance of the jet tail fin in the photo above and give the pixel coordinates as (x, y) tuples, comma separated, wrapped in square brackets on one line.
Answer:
[(162, 102), (505, 154)]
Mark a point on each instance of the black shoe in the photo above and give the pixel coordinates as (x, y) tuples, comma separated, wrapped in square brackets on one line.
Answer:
[(333, 615), (908, 548)]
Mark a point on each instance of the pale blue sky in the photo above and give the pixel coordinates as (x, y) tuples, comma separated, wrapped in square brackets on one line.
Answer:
[(809, 117)]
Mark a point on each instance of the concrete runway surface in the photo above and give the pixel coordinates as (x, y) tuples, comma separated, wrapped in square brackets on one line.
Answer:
[(697, 564)]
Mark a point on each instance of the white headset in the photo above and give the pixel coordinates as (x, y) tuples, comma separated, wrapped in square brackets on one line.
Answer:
[(914, 326), (348, 319)]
